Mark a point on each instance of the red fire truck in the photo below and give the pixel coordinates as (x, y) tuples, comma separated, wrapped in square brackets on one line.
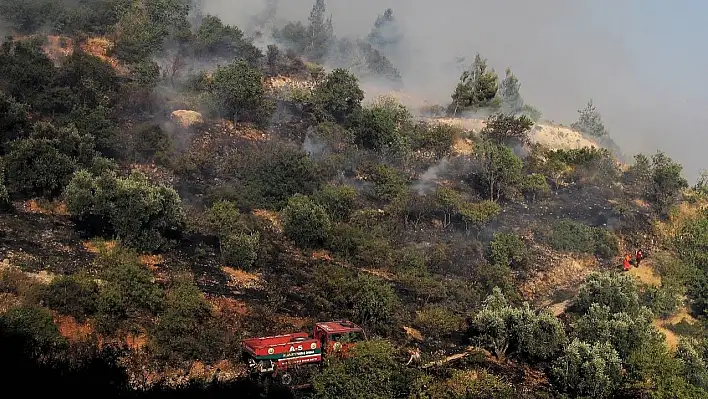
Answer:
[(277, 354)]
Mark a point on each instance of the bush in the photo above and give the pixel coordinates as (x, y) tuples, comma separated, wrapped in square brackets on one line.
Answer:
[(437, 321), (509, 249), (75, 296), (502, 328), (240, 250), (30, 330), (339, 201), (142, 215), (128, 293), (472, 385), (568, 235), (386, 376), (306, 222), (185, 329), (617, 291), (587, 370)]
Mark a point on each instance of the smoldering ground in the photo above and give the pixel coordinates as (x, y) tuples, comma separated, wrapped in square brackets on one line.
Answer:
[(563, 52)]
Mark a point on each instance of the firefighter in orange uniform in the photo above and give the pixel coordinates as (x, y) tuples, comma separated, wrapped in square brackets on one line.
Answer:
[(626, 262)]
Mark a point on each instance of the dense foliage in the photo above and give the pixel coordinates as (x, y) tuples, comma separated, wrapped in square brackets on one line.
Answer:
[(167, 188)]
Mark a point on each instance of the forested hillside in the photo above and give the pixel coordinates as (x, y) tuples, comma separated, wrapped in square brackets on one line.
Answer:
[(169, 187)]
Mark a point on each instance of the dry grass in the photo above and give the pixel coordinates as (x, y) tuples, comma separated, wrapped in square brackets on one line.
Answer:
[(380, 273), (413, 333), (228, 306), (99, 47), (57, 208), (151, 261), (99, 246), (241, 279), (73, 330), (646, 274), (270, 216)]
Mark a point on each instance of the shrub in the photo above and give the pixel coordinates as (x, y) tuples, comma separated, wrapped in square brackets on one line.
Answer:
[(509, 249), (617, 291), (141, 214), (75, 296), (240, 250), (306, 222), (30, 330), (437, 321), (587, 370), (339, 201), (128, 293), (185, 329)]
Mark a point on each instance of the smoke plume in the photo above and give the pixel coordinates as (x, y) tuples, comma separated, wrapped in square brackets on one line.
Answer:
[(563, 53)]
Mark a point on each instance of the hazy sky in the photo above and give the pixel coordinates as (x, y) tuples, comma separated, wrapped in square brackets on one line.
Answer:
[(642, 61)]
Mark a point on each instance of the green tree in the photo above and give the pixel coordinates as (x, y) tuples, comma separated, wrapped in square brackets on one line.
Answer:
[(374, 304), (505, 329), (75, 296), (477, 88), (626, 332), (43, 163), (500, 170), (14, 120), (306, 222), (666, 183), (535, 185), (508, 130), (511, 100), (478, 214), (184, 330), (338, 97), (339, 201), (590, 122), (616, 291), (320, 32), (587, 370), (213, 38), (386, 376), (137, 212), (238, 92), (382, 127)]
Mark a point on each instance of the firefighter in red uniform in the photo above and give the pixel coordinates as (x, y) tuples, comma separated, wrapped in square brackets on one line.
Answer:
[(638, 256), (626, 263)]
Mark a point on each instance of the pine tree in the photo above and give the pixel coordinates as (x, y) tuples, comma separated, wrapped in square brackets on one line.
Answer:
[(477, 88), (590, 121), (385, 31), (512, 103), (320, 32)]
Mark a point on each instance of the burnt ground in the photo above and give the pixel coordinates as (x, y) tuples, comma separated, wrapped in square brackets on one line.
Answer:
[(35, 242)]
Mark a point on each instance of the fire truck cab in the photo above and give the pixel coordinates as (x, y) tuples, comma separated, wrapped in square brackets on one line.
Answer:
[(338, 336)]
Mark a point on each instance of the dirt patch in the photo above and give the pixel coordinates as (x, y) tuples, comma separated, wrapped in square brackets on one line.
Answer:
[(559, 137), (298, 323), (151, 261), (241, 279), (8, 301), (100, 47), (136, 341), (72, 330), (462, 147), (322, 255)]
